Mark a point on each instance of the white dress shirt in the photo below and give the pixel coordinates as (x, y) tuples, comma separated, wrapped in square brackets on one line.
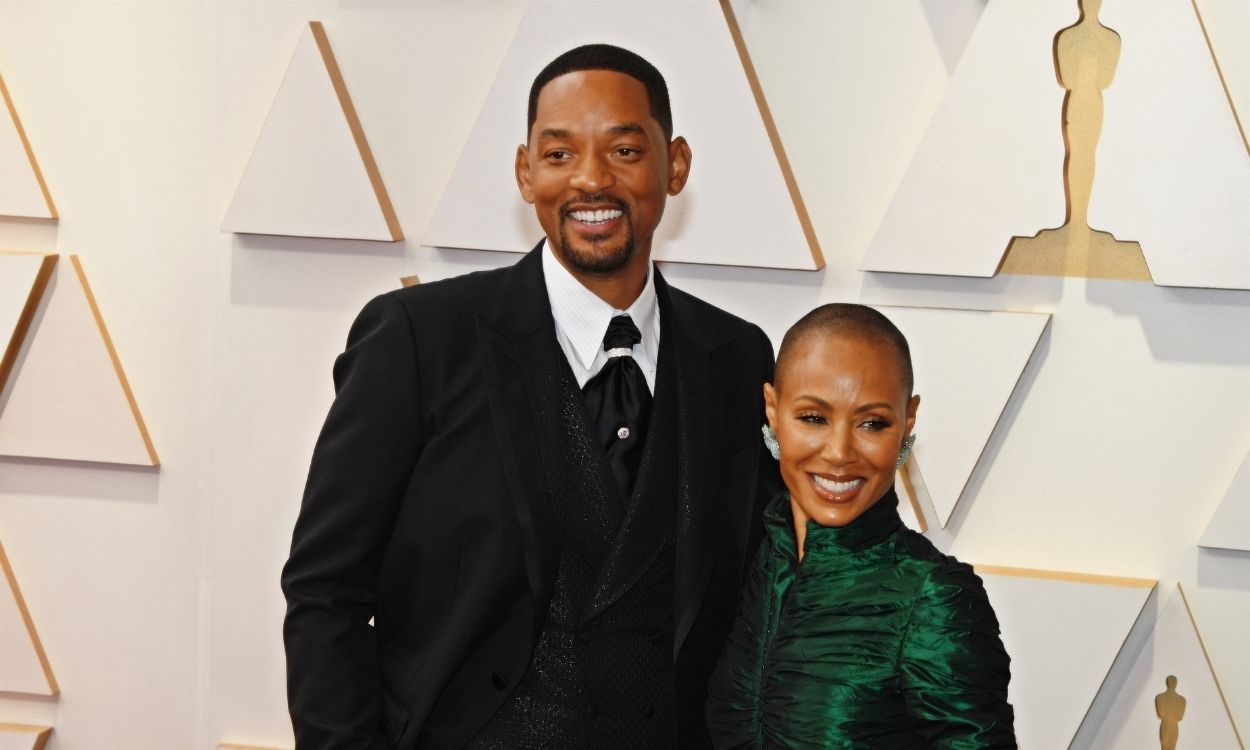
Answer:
[(582, 319)]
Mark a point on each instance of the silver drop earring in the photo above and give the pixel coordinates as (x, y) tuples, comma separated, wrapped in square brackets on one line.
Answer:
[(770, 442), (905, 451)]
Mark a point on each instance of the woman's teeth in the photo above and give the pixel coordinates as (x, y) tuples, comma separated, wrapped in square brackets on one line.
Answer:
[(836, 488), (596, 217)]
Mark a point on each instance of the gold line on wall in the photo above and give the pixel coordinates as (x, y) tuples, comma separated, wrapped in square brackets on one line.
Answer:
[(30, 625), (774, 137), (27, 316), (904, 473), (1207, 655), (30, 154), (1062, 575), (117, 363), (358, 133), (41, 733), (1223, 82)]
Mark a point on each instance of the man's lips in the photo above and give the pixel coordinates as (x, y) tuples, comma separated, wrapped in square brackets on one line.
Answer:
[(596, 216)]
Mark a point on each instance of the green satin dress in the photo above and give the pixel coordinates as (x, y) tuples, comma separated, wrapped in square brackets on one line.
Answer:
[(875, 640)]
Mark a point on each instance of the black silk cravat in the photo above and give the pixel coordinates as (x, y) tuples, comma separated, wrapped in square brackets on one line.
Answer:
[(619, 402)]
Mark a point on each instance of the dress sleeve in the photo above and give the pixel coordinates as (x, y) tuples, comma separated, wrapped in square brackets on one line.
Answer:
[(733, 715), (954, 667)]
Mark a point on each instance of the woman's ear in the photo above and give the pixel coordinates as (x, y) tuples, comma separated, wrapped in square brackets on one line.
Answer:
[(770, 405), (912, 406)]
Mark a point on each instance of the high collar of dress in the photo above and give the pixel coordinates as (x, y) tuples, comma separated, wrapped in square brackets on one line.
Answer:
[(874, 526)]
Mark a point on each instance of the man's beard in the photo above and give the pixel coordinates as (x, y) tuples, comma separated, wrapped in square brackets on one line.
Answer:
[(606, 260)]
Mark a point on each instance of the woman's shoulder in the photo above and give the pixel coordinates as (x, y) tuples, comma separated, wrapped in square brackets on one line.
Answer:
[(942, 576)]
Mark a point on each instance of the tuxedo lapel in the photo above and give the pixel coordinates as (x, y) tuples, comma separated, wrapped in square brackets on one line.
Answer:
[(686, 348), (700, 434), (650, 518), (522, 373)]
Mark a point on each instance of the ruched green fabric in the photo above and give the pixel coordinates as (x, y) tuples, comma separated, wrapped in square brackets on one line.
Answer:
[(874, 640)]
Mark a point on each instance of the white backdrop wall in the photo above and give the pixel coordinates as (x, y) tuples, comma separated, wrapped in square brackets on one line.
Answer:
[(156, 592)]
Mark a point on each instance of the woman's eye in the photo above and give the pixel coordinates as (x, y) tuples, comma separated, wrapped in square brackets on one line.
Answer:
[(812, 418), (874, 425)]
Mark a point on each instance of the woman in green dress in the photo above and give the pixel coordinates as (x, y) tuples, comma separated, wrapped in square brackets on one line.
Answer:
[(855, 632)]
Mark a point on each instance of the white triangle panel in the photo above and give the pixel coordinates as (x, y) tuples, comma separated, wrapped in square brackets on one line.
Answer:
[(1173, 170), (68, 397), (990, 164), (22, 190), (967, 364), (1230, 526), (312, 173), (736, 208), (1174, 649), (1227, 23), (23, 278), (23, 737), (1063, 632), (24, 667)]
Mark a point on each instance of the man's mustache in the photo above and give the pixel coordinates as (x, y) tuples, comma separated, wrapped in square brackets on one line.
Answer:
[(598, 199)]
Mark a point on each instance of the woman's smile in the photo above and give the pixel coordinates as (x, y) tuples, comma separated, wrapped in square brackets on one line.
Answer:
[(837, 489)]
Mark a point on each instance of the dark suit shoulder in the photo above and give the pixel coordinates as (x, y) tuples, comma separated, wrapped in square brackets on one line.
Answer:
[(704, 317), (458, 296)]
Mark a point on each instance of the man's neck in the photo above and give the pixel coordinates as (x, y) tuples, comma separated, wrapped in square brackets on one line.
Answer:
[(620, 288)]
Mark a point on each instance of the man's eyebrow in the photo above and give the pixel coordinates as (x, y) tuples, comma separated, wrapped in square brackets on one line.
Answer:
[(557, 133), (628, 128)]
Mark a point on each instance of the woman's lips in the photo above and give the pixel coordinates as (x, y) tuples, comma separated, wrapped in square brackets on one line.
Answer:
[(838, 490)]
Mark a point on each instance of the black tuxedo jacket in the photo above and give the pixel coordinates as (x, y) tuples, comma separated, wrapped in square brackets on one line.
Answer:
[(427, 510)]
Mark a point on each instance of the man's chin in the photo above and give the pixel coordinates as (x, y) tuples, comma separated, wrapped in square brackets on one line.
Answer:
[(594, 259)]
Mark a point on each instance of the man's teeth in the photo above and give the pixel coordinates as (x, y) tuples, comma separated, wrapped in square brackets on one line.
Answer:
[(596, 217), (836, 487)]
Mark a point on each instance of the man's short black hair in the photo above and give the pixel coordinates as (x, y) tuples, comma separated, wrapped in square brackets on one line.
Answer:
[(856, 321), (607, 57)]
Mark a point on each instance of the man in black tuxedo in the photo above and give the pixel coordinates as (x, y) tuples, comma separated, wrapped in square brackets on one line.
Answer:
[(547, 525)]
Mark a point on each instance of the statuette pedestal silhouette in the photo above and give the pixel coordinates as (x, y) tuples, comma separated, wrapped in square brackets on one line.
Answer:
[(1086, 55)]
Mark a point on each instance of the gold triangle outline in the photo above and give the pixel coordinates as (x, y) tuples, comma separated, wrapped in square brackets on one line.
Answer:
[(1085, 578), (358, 132), (1210, 665), (30, 153), (9, 357), (115, 359), (774, 136), (1232, 105), (41, 733), (30, 625)]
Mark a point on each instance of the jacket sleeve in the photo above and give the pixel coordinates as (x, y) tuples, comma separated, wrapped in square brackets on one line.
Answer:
[(733, 707), (359, 473), (954, 667)]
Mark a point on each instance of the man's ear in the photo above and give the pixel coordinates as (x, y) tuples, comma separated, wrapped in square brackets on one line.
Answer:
[(679, 157), (522, 168)]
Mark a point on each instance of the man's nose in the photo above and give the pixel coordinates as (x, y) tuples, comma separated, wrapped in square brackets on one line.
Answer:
[(592, 175)]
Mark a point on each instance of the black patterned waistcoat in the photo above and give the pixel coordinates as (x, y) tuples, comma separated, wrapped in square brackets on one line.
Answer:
[(601, 674)]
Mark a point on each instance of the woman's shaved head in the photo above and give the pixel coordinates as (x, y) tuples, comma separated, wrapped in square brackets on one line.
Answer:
[(849, 321)]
